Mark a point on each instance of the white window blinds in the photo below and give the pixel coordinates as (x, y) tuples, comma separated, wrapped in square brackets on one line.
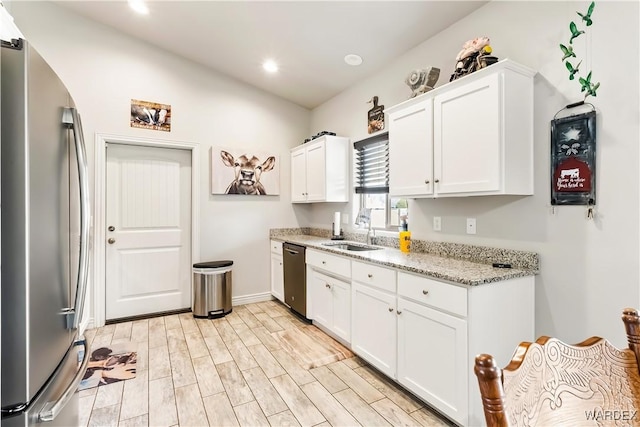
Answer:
[(372, 165)]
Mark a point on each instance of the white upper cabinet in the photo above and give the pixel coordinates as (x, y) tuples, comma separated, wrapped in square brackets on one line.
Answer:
[(299, 175), (411, 150), (470, 137), (320, 170)]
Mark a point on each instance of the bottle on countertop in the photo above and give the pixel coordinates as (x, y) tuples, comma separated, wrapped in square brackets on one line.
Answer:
[(405, 237)]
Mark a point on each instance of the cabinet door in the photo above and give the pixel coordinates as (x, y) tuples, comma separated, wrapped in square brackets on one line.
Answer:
[(298, 175), (373, 327), (319, 287), (432, 357), (316, 176), (411, 150), (341, 309), (277, 277), (468, 138)]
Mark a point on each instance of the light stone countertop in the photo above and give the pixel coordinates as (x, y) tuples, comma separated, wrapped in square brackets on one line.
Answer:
[(445, 268)]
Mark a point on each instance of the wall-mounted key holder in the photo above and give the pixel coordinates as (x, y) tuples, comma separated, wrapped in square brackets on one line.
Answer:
[(573, 157)]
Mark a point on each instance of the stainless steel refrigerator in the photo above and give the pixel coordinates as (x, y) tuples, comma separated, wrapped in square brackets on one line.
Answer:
[(44, 220)]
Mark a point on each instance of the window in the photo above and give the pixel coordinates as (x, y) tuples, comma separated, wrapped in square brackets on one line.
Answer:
[(372, 165), (372, 182)]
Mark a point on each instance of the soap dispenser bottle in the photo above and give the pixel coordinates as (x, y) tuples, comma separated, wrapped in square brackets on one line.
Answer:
[(405, 237)]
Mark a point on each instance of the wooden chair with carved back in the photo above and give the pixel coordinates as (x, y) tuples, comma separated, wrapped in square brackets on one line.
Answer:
[(550, 383)]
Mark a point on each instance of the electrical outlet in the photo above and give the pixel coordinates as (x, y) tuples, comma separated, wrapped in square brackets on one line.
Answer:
[(437, 223), (471, 226)]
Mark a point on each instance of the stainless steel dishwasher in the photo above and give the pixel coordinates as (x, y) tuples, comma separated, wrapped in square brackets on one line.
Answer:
[(295, 278)]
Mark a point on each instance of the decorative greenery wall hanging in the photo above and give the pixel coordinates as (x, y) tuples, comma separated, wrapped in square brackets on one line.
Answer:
[(573, 138), (569, 56)]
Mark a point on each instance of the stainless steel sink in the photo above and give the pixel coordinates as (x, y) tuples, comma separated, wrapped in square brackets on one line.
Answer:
[(351, 246)]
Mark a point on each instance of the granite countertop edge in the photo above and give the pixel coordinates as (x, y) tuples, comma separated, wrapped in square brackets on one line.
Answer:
[(457, 271)]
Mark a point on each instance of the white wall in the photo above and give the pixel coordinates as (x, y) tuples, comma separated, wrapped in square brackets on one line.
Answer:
[(589, 269), (104, 70)]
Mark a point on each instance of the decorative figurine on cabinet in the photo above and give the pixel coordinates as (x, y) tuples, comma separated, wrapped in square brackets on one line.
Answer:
[(375, 116), (422, 80), (475, 55)]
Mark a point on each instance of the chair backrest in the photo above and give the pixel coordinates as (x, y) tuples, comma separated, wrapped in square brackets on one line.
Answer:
[(550, 383)]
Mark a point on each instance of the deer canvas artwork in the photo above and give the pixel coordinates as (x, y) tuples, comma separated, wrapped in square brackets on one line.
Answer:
[(249, 172)]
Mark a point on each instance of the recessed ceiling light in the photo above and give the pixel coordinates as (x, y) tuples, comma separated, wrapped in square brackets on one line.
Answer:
[(139, 6), (353, 59), (270, 66)]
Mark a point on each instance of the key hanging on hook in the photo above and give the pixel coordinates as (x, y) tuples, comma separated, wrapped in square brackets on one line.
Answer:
[(590, 210)]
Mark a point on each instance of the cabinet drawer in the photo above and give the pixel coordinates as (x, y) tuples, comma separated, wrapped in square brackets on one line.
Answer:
[(332, 263), (276, 247), (440, 295), (379, 277)]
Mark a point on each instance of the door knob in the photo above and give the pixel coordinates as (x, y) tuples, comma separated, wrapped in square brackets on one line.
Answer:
[(111, 241), (111, 228)]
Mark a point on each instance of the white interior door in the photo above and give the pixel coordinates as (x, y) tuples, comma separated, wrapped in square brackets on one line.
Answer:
[(148, 247)]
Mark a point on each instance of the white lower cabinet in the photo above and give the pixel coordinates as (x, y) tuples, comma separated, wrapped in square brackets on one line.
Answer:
[(277, 271), (432, 357), (373, 327), (341, 292), (329, 293), (421, 332), (331, 301), (425, 333)]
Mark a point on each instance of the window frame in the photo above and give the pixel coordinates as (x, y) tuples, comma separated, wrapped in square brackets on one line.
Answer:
[(378, 144)]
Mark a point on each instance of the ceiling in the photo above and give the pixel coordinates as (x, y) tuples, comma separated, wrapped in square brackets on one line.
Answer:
[(308, 39)]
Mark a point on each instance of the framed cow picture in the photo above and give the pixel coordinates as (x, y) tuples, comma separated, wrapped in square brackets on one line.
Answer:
[(244, 171), (150, 115), (573, 160)]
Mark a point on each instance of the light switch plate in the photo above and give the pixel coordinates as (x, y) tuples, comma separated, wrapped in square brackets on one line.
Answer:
[(437, 223), (345, 218), (471, 226)]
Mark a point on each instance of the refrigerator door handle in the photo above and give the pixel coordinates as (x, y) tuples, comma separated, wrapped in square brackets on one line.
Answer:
[(52, 409), (71, 119)]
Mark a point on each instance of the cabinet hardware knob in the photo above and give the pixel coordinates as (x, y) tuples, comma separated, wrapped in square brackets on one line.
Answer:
[(390, 309), (111, 228), (436, 181), (425, 292), (111, 241), (426, 181), (328, 286), (399, 312), (369, 275), (324, 262)]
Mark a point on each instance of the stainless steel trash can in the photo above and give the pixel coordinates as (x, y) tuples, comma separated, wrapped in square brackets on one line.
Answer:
[(212, 289)]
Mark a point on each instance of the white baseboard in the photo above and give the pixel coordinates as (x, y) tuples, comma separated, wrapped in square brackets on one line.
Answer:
[(248, 299), (241, 300)]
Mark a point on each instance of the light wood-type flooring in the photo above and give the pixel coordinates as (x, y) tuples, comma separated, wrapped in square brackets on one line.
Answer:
[(243, 370)]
